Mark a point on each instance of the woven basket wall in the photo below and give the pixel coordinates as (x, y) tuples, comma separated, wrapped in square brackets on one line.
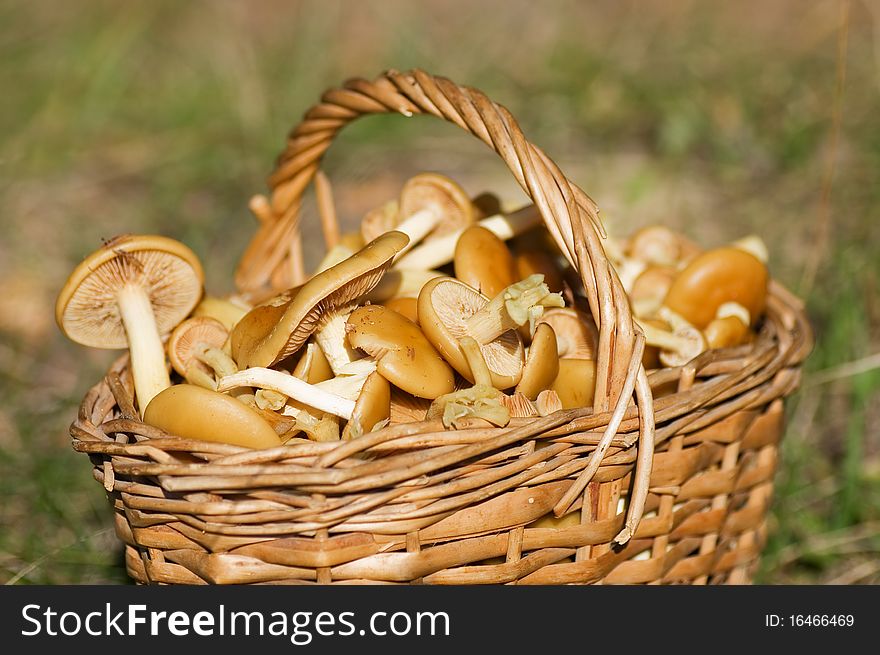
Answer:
[(667, 489)]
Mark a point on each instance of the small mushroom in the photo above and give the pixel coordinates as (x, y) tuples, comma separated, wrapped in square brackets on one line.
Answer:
[(542, 363), (576, 334), (403, 355), (575, 383), (677, 347), (483, 261), (649, 289), (406, 408), (730, 327), (445, 305), (319, 307), (655, 245), (372, 408), (486, 204), (530, 261), (228, 311), (130, 293), (400, 283), (715, 277), (193, 412), (440, 250), (548, 402), (430, 205), (195, 350)]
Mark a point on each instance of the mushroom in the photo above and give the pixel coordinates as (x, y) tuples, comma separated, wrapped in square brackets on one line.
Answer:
[(548, 402), (320, 306), (715, 277), (678, 346), (483, 261), (518, 406), (312, 366), (654, 245), (575, 383), (650, 288), (440, 250), (529, 261), (576, 334), (193, 412), (486, 204), (730, 327), (407, 307), (400, 283), (445, 305), (129, 293), (542, 363), (402, 353), (228, 311), (372, 409), (406, 408), (430, 204), (195, 350)]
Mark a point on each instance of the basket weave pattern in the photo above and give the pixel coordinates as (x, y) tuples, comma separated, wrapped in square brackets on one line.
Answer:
[(669, 489)]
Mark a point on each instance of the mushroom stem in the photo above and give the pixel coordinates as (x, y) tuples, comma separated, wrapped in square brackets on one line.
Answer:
[(219, 361), (477, 363), (441, 250), (417, 226), (144, 344), (330, 336), (308, 394), (521, 302)]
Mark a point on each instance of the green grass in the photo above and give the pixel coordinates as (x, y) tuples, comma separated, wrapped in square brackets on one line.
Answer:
[(166, 117)]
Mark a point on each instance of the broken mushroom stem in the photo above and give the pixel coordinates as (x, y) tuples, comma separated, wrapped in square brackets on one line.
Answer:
[(520, 303), (314, 395)]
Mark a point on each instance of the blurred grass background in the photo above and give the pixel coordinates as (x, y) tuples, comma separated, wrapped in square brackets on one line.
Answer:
[(718, 119)]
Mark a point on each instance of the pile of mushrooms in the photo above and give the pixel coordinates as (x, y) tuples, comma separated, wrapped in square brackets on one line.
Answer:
[(440, 307)]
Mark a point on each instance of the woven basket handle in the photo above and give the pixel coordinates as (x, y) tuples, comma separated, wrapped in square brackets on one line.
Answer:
[(570, 215)]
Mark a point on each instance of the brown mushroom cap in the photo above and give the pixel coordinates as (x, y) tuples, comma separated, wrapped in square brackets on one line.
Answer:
[(650, 288), (483, 261), (440, 194), (445, 305), (169, 272), (575, 383), (192, 412), (726, 331), (253, 327), (542, 363), (373, 406), (192, 336), (228, 311), (715, 277), (318, 298), (404, 356), (576, 334)]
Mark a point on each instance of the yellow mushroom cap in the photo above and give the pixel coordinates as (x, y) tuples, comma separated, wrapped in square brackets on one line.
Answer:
[(373, 406), (445, 305), (193, 412), (169, 273), (403, 354), (575, 383)]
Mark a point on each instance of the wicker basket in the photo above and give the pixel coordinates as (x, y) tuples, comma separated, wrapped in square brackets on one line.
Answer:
[(672, 490)]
